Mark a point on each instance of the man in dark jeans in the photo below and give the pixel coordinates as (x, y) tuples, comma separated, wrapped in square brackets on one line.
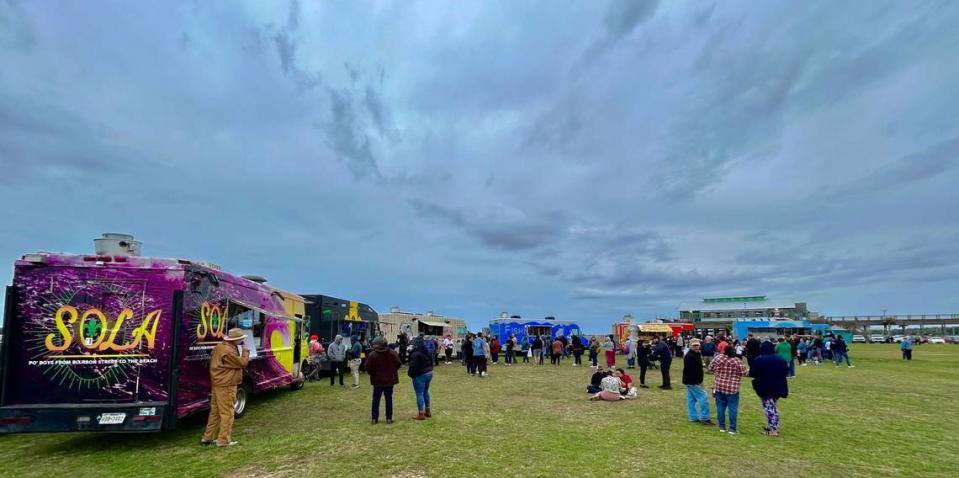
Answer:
[(337, 353), (382, 365), (665, 355)]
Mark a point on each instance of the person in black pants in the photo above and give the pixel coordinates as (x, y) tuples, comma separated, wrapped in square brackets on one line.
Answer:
[(665, 355), (642, 354), (467, 351)]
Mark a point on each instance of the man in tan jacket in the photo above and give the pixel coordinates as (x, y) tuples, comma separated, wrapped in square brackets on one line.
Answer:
[(226, 372)]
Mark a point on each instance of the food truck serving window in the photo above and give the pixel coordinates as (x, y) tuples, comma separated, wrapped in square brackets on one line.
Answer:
[(239, 315), (538, 330)]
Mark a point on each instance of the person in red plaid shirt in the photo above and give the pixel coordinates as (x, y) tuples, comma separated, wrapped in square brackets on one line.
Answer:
[(728, 372)]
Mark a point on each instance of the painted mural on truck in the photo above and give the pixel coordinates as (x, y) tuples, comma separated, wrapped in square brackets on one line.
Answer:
[(213, 304), (90, 335)]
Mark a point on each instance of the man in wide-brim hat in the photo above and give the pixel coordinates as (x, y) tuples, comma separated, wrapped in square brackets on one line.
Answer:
[(226, 372)]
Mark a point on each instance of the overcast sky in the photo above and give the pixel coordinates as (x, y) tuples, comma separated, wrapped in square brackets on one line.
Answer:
[(577, 159)]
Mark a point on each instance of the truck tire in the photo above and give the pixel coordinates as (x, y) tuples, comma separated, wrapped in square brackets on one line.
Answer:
[(299, 381), (243, 393)]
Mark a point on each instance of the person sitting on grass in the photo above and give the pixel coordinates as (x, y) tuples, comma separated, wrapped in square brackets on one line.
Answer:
[(595, 381), (611, 386), (628, 391), (769, 373)]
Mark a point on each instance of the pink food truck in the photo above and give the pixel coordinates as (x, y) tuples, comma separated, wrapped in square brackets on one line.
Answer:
[(118, 342)]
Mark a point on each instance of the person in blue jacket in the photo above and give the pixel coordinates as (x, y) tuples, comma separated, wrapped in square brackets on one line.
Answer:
[(663, 353), (769, 372), (906, 347)]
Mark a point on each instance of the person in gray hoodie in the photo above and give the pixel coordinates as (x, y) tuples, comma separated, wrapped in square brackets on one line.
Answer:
[(337, 353)]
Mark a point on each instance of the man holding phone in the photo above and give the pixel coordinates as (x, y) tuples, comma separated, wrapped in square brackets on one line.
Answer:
[(227, 362)]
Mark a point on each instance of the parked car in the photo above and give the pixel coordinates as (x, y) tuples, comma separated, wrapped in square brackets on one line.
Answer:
[(858, 339), (936, 340), (875, 339), (897, 338)]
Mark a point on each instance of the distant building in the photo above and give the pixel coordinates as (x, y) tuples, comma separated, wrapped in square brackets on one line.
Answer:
[(415, 323), (721, 312)]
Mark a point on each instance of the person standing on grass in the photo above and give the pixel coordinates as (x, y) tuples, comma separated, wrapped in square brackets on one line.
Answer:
[(557, 351), (479, 355), (840, 351), (448, 349), (643, 351), (752, 349), (525, 350), (509, 350), (382, 365), (785, 351), (467, 350), (708, 351), (227, 362), (537, 346), (593, 352), (629, 349), (802, 348), (421, 371), (794, 345), (337, 354), (664, 354), (721, 343), (430, 348), (610, 350), (769, 372), (906, 347), (494, 349), (547, 347), (697, 402), (403, 341), (817, 350), (729, 372), (577, 351), (355, 359)]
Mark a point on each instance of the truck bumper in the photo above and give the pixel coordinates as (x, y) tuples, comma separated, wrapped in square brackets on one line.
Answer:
[(72, 417)]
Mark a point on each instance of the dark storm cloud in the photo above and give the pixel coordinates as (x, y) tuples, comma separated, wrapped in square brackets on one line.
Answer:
[(935, 161), (347, 136), (509, 230), (621, 18), (38, 140), (585, 160)]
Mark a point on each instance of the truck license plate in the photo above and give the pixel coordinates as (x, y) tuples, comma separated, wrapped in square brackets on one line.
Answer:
[(111, 418)]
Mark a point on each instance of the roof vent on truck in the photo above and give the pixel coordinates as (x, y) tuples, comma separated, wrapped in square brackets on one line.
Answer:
[(115, 244), (257, 279)]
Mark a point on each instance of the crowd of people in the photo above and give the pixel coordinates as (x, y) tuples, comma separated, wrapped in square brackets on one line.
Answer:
[(769, 363)]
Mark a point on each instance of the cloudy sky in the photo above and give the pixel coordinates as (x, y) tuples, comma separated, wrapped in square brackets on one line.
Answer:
[(577, 159)]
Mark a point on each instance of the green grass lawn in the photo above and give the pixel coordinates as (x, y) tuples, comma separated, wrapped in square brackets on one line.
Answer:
[(884, 417)]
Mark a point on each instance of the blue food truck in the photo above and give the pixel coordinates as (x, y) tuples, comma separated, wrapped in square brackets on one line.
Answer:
[(505, 326)]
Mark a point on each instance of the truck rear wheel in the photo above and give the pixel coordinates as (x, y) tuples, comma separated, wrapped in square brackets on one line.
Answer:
[(300, 378), (242, 397)]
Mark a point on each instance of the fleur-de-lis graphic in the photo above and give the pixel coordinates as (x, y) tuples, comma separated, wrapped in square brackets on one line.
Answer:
[(91, 328)]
